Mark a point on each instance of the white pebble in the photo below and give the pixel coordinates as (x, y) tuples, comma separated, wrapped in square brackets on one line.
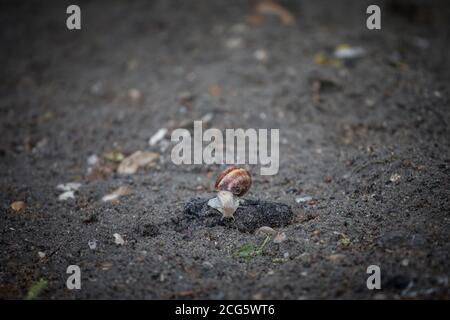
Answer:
[(66, 195), (158, 136), (118, 239)]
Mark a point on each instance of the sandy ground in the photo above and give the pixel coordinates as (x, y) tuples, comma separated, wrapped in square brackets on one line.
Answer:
[(366, 139)]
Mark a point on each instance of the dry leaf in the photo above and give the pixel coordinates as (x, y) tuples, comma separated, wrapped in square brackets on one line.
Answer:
[(268, 7), (121, 191), (18, 205), (131, 164)]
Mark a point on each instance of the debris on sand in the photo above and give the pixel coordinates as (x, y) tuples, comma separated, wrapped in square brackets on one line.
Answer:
[(337, 257), (303, 199), (250, 251), (280, 237), (395, 178), (234, 43), (261, 55), (158, 136), (131, 164), (344, 240), (66, 196), (215, 90), (251, 214), (322, 59), (113, 156), (92, 161), (71, 186), (69, 190), (36, 289), (41, 254), (134, 94), (269, 7), (18, 205), (118, 239), (344, 51), (121, 191), (267, 231), (92, 244)]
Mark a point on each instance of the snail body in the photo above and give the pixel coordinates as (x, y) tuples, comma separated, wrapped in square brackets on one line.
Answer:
[(231, 184)]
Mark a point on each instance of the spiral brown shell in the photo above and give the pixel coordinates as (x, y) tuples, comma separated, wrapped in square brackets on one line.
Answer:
[(236, 180)]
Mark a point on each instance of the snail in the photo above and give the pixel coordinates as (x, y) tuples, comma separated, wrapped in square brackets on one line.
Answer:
[(231, 184)]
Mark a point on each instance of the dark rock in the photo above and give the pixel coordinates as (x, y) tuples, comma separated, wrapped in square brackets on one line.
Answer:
[(251, 214)]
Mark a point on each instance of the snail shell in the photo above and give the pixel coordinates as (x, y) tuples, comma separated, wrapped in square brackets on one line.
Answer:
[(235, 180)]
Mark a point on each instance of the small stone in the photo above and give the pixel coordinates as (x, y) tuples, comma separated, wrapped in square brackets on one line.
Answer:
[(336, 257), (347, 52), (118, 239), (208, 264), (234, 43), (121, 191), (261, 55), (92, 160), (18, 205), (303, 199), (134, 94), (66, 196), (41, 254), (267, 231), (207, 117), (106, 266), (258, 296), (71, 186), (158, 136), (395, 178), (405, 262), (92, 244), (280, 237)]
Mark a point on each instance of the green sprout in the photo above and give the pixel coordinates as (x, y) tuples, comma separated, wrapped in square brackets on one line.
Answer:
[(36, 289), (249, 251)]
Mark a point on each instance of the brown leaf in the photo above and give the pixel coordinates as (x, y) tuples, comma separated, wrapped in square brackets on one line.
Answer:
[(18, 205), (131, 164)]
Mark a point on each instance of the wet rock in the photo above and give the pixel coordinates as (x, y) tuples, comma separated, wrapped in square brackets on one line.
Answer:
[(251, 214)]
